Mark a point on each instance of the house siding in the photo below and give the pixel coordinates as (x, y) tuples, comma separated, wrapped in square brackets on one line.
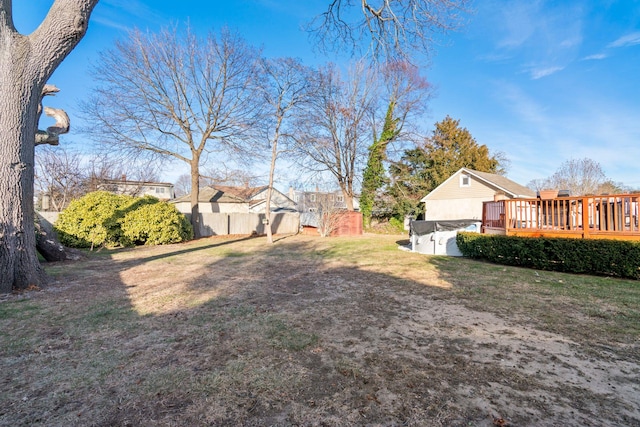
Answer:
[(234, 204), (454, 209), (278, 201), (453, 190), (453, 202), (203, 207), (162, 191)]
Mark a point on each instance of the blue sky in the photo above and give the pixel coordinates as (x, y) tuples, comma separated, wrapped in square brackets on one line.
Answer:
[(541, 81)]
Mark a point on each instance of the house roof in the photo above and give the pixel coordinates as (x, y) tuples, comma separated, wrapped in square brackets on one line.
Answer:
[(499, 182), (136, 183), (226, 194)]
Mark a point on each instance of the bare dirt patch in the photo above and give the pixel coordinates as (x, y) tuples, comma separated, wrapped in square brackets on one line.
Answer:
[(318, 332)]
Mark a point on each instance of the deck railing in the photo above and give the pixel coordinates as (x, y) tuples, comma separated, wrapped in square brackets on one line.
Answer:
[(610, 216)]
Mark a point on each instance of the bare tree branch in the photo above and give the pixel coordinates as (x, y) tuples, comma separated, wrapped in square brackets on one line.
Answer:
[(287, 86), (337, 125), (175, 95), (386, 29)]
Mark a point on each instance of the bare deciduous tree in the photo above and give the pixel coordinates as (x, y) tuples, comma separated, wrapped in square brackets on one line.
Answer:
[(328, 214), (583, 176), (182, 186), (580, 177), (388, 29), (287, 85), (28, 62), (229, 176), (337, 126), (60, 177), (107, 171), (175, 95)]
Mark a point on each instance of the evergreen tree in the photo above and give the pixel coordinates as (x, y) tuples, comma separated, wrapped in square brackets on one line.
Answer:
[(423, 168), (451, 147), (374, 174)]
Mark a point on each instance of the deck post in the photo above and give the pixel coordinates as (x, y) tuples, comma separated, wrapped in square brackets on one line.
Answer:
[(506, 207), (585, 218)]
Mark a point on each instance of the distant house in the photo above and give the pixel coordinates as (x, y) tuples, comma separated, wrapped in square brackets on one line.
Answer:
[(162, 190), (326, 212), (462, 194), (311, 201), (226, 199)]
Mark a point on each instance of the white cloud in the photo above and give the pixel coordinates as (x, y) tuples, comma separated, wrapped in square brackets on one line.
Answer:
[(596, 56), (573, 41), (628, 40), (123, 10), (518, 23), (544, 72), (523, 106), (110, 23), (537, 32)]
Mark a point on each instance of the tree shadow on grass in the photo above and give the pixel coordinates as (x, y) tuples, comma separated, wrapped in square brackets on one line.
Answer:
[(236, 332)]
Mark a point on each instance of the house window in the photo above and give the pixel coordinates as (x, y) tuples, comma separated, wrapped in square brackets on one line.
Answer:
[(465, 181), (160, 190), (339, 198), (312, 197)]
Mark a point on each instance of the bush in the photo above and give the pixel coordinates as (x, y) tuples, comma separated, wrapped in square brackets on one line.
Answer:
[(397, 224), (586, 256), (93, 220), (96, 219), (156, 224)]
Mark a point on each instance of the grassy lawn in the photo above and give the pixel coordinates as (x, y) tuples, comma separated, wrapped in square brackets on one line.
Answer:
[(310, 331)]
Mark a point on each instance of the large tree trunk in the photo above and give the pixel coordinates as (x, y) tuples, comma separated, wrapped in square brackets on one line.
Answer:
[(195, 195), (267, 205), (272, 170), (27, 62), (19, 266)]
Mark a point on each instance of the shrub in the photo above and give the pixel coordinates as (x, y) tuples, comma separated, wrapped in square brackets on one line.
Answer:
[(588, 256), (94, 219), (397, 224), (156, 224)]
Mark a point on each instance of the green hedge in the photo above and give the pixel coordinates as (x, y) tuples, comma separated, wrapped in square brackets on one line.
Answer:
[(96, 219), (585, 256), (156, 224)]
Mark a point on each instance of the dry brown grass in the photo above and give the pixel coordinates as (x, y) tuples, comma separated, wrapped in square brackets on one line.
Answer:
[(309, 331)]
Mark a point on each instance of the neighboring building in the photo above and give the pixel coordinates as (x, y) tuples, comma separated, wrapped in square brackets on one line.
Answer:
[(311, 201), (162, 190), (461, 196), (336, 221), (225, 199)]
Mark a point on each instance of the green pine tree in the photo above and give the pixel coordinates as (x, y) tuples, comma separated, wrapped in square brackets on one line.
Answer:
[(423, 168)]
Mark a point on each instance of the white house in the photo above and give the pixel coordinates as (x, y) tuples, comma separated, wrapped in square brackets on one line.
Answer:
[(162, 190)]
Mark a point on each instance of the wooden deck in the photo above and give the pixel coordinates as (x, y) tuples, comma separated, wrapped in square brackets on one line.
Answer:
[(588, 217)]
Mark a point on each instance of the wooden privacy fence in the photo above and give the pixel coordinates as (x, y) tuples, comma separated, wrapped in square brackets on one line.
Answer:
[(608, 216), (217, 224)]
